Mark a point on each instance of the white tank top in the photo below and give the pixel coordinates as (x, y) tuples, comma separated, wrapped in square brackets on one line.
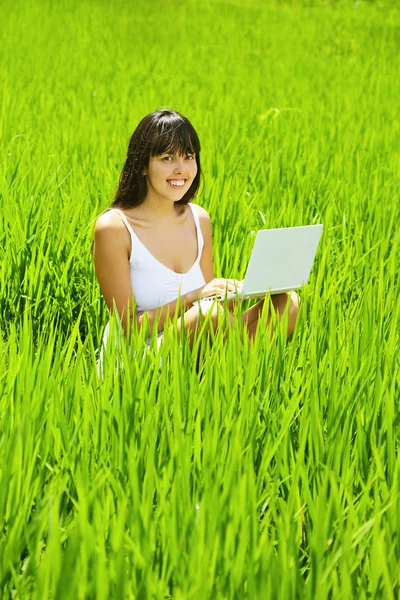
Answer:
[(153, 283)]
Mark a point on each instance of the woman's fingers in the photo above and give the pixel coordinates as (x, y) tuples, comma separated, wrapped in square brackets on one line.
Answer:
[(228, 284), (219, 286), (233, 284)]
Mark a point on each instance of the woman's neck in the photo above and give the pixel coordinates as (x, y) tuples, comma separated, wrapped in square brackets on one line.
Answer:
[(159, 210)]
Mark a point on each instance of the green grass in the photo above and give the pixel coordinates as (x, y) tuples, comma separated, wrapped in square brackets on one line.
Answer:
[(276, 473)]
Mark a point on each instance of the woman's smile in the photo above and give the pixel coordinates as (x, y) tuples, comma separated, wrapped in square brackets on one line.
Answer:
[(176, 183)]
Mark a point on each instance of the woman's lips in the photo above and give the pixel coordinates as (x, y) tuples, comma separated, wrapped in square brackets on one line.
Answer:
[(176, 183)]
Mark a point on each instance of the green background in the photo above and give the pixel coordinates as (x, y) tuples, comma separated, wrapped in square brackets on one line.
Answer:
[(276, 474)]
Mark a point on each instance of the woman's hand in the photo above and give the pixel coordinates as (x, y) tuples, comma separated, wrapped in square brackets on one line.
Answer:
[(218, 287)]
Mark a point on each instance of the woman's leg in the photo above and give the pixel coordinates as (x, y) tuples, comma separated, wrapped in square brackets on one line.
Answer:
[(215, 314), (279, 303), (194, 318)]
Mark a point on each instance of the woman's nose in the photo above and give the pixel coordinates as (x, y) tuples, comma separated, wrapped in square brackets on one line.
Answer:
[(179, 166)]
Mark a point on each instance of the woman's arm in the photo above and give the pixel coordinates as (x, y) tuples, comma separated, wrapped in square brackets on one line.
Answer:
[(214, 286), (112, 247), (206, 261)]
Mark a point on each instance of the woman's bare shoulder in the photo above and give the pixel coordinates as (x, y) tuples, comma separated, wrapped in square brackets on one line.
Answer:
[(205, 223), (109, 220), (201, 213), (110, 233)]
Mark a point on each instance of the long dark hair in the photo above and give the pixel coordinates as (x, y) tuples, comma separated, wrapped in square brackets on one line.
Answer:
[(160, 131)]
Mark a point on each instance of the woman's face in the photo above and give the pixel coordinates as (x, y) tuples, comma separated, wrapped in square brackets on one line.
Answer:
[(170, 175)]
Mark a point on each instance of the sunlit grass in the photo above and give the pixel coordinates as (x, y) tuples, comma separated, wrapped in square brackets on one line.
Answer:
[(272, 470)]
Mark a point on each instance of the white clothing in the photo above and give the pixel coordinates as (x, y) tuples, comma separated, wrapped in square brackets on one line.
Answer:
[(153, 283)]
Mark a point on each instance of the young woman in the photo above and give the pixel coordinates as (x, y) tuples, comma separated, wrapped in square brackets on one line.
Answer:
[(154, 246)]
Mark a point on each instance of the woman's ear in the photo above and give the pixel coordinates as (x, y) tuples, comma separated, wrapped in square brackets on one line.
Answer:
[(144, 172)]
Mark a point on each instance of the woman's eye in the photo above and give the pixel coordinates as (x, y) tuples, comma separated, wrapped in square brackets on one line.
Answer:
[(167, 158), (190, 157)]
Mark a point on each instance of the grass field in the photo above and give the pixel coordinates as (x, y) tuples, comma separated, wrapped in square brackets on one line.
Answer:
[(276, 474)]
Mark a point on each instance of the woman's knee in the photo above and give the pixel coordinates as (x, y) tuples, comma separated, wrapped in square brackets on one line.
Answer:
[(219, 317), (293, 310), (289, 302)]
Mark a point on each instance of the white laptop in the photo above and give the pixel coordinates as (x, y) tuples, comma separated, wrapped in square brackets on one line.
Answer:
[(281, 261)]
